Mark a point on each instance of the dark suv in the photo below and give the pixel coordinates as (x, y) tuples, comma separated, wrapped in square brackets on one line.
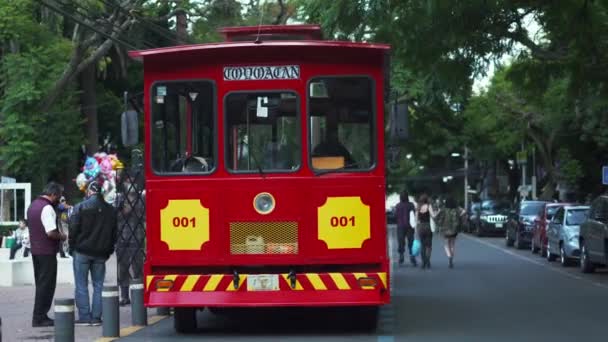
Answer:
[(490, 218), (593, 237), (519, 226)]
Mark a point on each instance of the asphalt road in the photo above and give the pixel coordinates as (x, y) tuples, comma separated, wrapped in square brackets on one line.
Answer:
[(492, 294)]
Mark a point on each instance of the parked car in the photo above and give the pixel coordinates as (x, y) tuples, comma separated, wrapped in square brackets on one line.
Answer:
[(471, 216), (563, 234), (593, 240), (519, 226), (491, 218), (539, 229)]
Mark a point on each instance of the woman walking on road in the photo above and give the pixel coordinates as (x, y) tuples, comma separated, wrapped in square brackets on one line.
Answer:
[(423, 229), (448, 220)]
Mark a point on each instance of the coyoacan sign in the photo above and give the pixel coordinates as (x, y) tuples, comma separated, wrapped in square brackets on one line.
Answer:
[(255, 73)]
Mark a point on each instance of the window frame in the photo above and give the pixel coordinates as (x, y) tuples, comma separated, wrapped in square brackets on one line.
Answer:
[(374, 128), (231, 171), (214, 112)]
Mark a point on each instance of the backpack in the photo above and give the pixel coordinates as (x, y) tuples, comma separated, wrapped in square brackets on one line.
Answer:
[(450, 221)]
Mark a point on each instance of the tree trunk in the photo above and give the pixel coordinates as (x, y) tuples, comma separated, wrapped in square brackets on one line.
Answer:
[(88, 102)]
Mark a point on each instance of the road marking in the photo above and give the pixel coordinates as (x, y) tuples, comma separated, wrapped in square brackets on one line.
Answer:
[(124, 332), (536, 262)]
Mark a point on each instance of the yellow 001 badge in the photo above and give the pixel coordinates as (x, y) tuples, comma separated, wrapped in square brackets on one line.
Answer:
[(343, 222), (184, 225)]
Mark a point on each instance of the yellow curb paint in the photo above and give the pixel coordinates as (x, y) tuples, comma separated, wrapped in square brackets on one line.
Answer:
[(132, 329)]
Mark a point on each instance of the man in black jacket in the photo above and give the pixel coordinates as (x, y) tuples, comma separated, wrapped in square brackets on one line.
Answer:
[(92, 237)]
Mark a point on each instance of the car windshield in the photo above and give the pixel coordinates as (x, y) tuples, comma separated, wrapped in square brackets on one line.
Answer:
[(530, 208), (551, 212), (494, 206), (576, 217)]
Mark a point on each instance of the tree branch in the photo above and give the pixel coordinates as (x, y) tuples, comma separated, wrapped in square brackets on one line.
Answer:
[(279, 20), (521, 37), (77, 64)]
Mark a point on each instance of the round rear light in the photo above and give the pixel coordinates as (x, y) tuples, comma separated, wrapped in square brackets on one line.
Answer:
[(263, 203)]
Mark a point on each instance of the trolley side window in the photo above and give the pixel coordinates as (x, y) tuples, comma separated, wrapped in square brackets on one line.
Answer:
[(262, 132), (183, 127), (341, 116)]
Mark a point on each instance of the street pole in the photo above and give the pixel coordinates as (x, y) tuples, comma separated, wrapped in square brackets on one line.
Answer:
[(466, 178), (534, 173)]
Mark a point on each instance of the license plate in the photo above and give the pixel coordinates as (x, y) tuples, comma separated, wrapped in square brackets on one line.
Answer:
[(499, 225), (263, 282)]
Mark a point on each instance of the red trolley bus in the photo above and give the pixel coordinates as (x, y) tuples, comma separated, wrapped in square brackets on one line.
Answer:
[(265, 182)]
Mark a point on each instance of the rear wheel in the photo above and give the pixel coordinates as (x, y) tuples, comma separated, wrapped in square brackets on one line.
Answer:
[(550, 256), (184, 320), (585, 263), (508, 240), (367, 318), (478, 230), (533, 247), (518, 243), (563, 257)]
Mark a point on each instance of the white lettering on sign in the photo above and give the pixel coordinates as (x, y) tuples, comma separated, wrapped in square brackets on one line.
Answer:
[(254, 73)]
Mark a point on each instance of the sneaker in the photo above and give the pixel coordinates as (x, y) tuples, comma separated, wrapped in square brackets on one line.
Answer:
[(43, 323), (82, 322), (96, 322)]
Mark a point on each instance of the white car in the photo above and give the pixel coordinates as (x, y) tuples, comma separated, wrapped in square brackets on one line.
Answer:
[(563, 233)]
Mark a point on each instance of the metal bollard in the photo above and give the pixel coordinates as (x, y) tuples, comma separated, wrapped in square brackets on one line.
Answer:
[(109, 307), (163, 311), (64, 320), (139, 314)]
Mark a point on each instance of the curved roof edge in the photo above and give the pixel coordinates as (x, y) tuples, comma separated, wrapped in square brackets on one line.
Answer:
[(176, 50)]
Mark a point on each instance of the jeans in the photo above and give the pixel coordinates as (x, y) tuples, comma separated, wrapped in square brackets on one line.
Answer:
[(45, 277), (130, 266), (83, 264), (404, 232), (15, 248)]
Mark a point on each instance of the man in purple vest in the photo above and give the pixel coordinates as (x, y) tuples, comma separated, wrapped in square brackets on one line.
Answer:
[(44, 239)]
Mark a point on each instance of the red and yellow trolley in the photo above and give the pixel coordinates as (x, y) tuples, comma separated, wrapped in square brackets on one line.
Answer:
[(265, 182)]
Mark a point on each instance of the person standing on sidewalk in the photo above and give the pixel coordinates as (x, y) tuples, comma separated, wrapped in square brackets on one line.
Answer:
[(404, 209), (131, 236), (44, 240), (92, 236), (22, 240)]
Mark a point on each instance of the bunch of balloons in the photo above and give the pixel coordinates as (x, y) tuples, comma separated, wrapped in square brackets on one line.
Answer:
[(101, 167)]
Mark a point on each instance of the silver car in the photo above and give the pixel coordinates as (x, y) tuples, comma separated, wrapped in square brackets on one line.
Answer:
[(563, 234)]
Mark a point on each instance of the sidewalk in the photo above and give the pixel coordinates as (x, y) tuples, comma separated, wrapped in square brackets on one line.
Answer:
[(17, 303)]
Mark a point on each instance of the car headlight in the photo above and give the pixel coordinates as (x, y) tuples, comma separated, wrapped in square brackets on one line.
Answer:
[(264, 203)]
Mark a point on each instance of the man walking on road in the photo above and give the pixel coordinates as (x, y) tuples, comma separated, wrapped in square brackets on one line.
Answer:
[(44, 240), (92, 237), (404, 228)]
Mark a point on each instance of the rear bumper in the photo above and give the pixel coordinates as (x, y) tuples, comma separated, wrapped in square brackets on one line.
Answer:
[(219, 290)]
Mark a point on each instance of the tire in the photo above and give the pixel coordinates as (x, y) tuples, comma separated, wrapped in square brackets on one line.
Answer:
[(508, 240), (586, 265), (184, 320), (563, 258), (479, 231), (533, 247), (550, 256), (518, 243), (367, 318)]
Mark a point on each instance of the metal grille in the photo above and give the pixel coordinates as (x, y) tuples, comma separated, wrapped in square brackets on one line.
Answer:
[(496, 218), (131, 212), (264, 238)]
